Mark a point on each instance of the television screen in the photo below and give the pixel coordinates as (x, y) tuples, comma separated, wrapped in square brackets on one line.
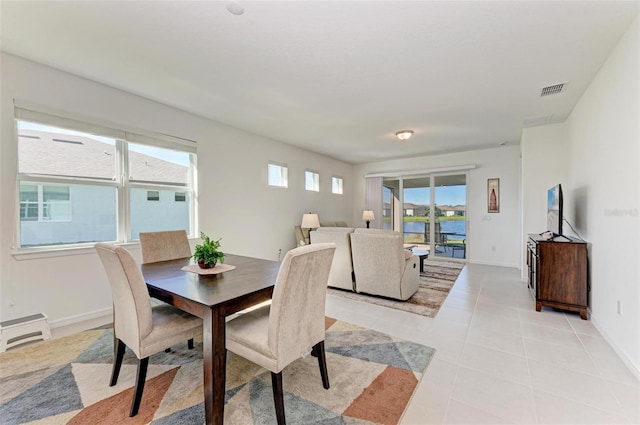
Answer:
[(554, 210)]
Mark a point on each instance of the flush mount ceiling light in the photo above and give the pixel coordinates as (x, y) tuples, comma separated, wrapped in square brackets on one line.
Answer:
[(404, 134)]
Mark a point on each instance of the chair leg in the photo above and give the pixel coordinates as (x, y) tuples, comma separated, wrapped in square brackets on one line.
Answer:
[(190, 343), (278, 397), (117, 361), (140, 378), (318, 351)]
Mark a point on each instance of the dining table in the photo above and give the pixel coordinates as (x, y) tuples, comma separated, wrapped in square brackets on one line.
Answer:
[(212, 297)]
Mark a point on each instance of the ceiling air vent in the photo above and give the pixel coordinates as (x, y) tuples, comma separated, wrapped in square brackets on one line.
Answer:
[(554, 89)]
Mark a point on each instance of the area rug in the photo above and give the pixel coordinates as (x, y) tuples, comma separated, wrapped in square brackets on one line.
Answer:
[(435, 283), (65, 381)]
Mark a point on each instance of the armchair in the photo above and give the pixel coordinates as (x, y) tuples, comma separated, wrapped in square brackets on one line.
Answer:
[(381, 266)]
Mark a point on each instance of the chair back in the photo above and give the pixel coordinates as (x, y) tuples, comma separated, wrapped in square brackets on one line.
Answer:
[(131, 302), (163, 246), (296, 319)]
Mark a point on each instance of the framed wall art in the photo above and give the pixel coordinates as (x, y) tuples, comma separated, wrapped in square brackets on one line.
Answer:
[(493, 195)]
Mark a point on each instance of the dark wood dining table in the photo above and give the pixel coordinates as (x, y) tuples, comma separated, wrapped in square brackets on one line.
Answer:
[(213, 298)]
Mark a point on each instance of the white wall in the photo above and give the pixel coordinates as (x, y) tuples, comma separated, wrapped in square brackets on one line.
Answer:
[(604, 137), (599, 171), (544, 164), (234, 201), (492, 238)]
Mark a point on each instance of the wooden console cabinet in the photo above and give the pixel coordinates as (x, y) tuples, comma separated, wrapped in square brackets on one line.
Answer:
[(558, 273)]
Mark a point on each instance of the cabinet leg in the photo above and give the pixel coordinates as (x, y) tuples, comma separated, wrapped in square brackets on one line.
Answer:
[(538, 306), (583, 314)]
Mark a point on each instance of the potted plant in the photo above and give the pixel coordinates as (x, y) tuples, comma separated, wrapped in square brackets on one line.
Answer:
[(207, 254)]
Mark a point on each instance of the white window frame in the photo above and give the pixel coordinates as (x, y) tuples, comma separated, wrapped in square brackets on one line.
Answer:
[(36, 114), (283, 174), (337, 185), (312, 181)]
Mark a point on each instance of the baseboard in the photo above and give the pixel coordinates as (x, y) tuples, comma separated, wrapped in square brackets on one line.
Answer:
[(491, 263), (81, 322), (634, 368)]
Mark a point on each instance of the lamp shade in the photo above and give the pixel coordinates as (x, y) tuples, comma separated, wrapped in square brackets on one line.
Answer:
[(310, 221), (367, 215)]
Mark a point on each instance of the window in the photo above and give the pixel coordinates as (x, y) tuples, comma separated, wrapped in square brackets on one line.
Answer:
[(83, 183), (336, 185), (278, 175), (312, 181)]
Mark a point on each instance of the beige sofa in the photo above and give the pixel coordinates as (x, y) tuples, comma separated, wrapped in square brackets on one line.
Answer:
[(302, 235), (341, 275), (370, 261), (381, 264)]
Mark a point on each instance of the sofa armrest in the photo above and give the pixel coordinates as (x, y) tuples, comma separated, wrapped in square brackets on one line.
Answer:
[(410, 281)]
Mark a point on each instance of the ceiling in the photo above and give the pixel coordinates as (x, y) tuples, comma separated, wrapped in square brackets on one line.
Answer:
[(340, 77)]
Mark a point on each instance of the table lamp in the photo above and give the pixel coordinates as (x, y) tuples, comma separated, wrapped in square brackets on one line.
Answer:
[(367, 215), (309, 221)]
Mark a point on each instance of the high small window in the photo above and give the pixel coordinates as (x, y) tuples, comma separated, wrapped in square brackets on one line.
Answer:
[(336, 185), (180, 197), (153, 195), (278, 175), (312, 181)]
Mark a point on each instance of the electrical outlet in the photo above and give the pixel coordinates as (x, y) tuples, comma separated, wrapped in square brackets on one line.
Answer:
[(493, 248)]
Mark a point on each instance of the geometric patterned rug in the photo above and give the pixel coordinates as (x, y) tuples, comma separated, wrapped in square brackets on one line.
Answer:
[(65, 381), (435, 283)]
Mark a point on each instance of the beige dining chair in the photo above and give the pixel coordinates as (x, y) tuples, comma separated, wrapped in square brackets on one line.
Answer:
[(163, 246), (293, 325), (145, 330)]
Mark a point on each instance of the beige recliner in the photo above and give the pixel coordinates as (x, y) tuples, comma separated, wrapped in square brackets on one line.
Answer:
[(341, 275), (381, 266)]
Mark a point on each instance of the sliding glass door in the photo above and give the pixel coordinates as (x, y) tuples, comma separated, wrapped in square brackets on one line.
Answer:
[(450, 210), (430, 211)]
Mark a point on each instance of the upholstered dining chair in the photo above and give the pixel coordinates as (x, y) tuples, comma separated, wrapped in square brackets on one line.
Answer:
[(163, 246), (275, 335), (145, 330)]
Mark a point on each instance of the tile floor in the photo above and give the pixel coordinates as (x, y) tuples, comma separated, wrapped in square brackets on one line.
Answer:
[(498, 361)]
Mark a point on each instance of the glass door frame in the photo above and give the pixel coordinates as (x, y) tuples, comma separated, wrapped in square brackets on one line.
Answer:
[(397, 204)]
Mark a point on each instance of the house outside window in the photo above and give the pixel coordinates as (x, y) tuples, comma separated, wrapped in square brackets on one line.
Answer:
[(312, 181), (71, 193)]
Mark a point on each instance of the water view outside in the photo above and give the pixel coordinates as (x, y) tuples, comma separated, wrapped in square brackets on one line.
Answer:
[(457, 227)]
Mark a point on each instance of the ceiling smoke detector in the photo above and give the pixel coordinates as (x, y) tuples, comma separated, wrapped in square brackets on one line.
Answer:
[(235, 8), (554, 89)]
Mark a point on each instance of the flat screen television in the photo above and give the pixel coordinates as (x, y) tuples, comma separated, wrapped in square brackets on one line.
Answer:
[(554, 210)]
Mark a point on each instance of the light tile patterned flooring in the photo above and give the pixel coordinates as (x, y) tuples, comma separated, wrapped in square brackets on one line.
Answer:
[(498, 361)]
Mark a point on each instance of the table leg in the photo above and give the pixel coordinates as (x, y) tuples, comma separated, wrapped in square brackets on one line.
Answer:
[(214, 364)]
